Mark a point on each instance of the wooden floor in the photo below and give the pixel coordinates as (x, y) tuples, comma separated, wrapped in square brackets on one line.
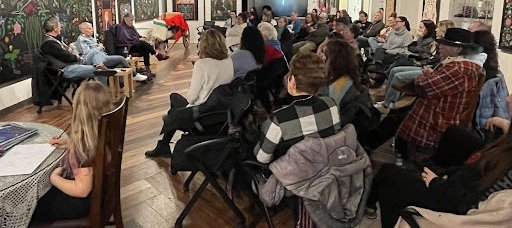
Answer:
[(150, 196)]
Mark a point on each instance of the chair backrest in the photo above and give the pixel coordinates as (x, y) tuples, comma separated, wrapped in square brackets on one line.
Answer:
[(109, 40), (105, 197)]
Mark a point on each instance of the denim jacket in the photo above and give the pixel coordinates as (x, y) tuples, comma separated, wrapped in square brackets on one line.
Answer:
[(493, 102)]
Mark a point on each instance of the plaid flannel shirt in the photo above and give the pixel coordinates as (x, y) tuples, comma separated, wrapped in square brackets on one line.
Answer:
[(307, 116), (450, 90)]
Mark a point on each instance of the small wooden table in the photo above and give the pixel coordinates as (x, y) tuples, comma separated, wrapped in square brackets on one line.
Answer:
[(115, 88), (134, 62)]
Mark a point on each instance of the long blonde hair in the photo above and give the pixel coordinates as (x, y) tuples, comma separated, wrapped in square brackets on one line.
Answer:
[(90, 102), (213, 45)]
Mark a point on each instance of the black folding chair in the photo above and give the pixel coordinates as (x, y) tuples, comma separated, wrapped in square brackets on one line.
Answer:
[(218, 154)]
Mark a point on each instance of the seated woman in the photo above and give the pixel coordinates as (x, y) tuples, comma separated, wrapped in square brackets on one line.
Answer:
[(69, 197), (268, 17), (345, 86), (213, 68), (455, 190), (234, 34), (379, 40), (307, 116), (396, 43), (272, 44), (285, 37), (251, 53), (128, 38), (422, 48), (309, 22)]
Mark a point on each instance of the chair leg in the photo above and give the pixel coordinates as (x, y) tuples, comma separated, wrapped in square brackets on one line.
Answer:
[(186, 185), (190, 204), (226, 198), (118, 218)]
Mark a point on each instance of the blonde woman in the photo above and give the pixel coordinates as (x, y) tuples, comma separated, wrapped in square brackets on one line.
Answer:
[(213, 68), (442, 26), (72, 183)]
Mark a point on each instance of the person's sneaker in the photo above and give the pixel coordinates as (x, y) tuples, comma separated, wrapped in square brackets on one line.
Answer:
[(370, 213), (381, 107), (106, 73), (161, 150), (140, 77), (161, 57)]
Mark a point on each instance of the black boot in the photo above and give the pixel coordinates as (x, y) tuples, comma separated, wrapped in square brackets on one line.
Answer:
[(161, 56), (162, 149)]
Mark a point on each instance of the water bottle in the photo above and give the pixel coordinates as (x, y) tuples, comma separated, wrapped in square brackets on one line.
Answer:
[(399, 161), (125, 52)]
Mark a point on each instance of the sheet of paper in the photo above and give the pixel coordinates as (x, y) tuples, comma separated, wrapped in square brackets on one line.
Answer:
[(24, 159)]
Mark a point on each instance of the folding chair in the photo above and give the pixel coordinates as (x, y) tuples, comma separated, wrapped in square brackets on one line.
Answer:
[(218, 154)]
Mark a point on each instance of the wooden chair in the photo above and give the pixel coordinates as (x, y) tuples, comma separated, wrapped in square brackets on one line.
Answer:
[(105, 195)]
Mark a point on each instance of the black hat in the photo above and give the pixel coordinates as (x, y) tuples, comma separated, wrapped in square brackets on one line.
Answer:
[(343, 20), (457, 37)]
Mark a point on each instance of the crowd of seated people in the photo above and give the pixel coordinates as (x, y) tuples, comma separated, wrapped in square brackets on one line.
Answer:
[(443, 67)]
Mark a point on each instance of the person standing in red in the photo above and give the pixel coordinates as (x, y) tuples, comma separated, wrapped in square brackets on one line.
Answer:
[(447, 95)]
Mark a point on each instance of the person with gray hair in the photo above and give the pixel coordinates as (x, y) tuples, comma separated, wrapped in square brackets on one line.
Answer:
[(59, 55), (317, 35), (272, 44), (127, 38), (93, 53)]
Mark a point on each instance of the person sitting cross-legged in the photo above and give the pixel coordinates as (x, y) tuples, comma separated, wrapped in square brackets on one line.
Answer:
[(93, 53), (306, 116), (59, 56), (316, 36)]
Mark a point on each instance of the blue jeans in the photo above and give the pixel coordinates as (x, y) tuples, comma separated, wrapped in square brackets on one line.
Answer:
[(79, 71), (399, 76), (112, 61), (362, 42), (97, 57), (374, 44)]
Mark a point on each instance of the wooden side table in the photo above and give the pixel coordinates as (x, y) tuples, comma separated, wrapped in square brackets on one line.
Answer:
[(115, 88), (134, 62)]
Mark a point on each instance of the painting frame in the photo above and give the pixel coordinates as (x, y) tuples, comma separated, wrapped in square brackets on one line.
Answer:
[(505, 43), (145, 10), (220, 9), (123, 7), (189, 8)]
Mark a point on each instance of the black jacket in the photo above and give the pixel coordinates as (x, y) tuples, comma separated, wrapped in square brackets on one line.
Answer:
[(56, 53)]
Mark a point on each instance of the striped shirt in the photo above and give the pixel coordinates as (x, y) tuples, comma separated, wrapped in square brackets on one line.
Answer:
[(307, 116)]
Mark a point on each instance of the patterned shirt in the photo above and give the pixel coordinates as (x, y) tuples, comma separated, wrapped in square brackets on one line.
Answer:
[(450, 90), (307, 116)]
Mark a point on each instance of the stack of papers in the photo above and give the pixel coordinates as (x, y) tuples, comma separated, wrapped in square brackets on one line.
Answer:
[(24, 159), (12, 134)]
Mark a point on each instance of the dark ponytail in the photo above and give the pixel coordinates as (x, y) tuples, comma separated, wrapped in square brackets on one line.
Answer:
[(407, 24)]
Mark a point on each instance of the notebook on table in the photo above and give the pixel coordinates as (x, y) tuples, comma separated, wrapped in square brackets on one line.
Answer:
[(12, 134)]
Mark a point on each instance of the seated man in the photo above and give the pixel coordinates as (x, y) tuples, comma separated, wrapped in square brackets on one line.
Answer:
[(372, 31), (316, 36), (307, 116), (93, 53), (447, 95), (59, 56)]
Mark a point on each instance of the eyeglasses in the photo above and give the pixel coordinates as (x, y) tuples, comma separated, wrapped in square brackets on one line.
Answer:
[(399, 21)]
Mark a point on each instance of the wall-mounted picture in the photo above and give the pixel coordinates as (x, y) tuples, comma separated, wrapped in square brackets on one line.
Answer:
[(105, 16), (189, 8), (124, 6), (145, 10), (506, 26), (221, 9)]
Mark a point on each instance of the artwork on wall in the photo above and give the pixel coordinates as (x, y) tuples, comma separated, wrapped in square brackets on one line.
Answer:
[(506, 27), (221, 9), (145, 10), (189, 8), (21, 31), (105, 18), (431, 10), (123, 7), (390, 6), (354, 7), (324, 6)]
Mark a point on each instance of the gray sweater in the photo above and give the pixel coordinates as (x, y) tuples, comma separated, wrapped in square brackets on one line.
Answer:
[(398, 41)]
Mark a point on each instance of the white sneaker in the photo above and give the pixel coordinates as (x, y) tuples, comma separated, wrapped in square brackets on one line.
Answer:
[(381, 107), (140, 77)]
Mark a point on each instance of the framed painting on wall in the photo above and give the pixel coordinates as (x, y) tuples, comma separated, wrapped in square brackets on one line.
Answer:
[(123, 7), (105, 16), (189, 8), (221, 9), (145, 10), (506, 27), (431, 10)]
